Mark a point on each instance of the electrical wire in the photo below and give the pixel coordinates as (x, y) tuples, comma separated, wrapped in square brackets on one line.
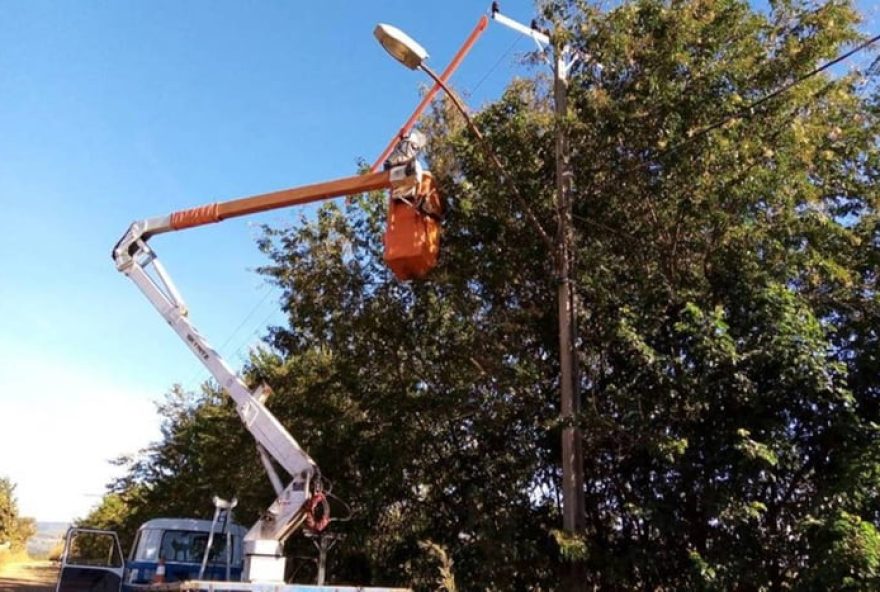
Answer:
[(786, 87), (749, 110), (200, 371), (261, 326), (348, 509), (247, 317), (494, 67), (745, 113)]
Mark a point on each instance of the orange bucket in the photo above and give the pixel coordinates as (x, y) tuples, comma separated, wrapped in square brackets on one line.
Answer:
[(412, 237)]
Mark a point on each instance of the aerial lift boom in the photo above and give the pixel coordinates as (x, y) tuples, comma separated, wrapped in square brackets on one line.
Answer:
[(411, 249)]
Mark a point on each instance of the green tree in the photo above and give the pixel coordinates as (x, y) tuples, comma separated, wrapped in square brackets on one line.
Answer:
[(727, 278), (14, 529), (722, 355)]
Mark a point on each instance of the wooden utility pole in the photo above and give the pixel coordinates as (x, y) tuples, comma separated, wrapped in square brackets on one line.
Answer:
[(572, 446), (573, 517)]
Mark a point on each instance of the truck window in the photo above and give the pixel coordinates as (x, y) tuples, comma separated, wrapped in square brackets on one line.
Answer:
[(186, 546), (148, 545), (93, 548)]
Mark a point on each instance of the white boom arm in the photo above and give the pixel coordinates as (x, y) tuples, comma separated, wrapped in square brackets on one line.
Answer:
[(133, 257)]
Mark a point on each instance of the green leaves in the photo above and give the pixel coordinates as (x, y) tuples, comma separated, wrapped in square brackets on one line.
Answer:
[(571, 547), (754, 450), (15, 530), (848, 550)]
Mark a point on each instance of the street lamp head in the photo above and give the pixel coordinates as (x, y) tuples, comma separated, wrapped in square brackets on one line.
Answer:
[(400, 45)]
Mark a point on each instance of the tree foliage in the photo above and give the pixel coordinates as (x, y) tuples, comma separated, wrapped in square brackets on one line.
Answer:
[(727, 281), (14, 528)]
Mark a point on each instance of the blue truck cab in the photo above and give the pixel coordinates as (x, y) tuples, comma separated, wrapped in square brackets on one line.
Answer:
[(179, 544), (165, 551)]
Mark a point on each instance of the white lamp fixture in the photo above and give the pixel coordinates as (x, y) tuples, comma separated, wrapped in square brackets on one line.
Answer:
[(401, 46)]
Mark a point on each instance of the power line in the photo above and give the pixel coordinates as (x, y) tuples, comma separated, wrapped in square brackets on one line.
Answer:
[(745, 113), (494, 66), (197, 375), (261, 326), (253, 310), (749, 110)]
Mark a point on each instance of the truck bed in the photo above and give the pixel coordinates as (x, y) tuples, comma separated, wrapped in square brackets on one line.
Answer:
[(214, 586)]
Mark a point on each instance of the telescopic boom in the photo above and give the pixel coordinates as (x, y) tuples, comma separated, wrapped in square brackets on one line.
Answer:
[(133, 256)]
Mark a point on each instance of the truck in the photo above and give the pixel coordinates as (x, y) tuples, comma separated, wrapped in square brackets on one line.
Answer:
[(167, 555)]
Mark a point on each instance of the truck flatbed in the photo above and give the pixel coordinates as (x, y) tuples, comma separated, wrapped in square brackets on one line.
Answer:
[(214, 586)]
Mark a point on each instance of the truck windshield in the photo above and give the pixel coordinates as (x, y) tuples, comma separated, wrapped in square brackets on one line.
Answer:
[(182, 546)]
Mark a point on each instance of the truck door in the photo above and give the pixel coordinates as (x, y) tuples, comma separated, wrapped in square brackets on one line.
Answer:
[(92, 562)]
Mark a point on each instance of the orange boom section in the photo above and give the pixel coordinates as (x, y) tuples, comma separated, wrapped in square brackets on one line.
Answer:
[(210, 213), (412, 237)]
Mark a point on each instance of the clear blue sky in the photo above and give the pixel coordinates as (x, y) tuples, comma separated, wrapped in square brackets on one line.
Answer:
[(112, 111)]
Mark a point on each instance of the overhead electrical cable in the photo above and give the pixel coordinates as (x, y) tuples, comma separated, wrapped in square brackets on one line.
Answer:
[(494, 67), (749, 110)]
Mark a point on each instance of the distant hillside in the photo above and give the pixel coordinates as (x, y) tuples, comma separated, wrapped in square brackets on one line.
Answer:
[(48, 535)]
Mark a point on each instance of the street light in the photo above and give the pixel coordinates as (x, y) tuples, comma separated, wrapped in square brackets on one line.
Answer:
[(401, 46), (408, 52)]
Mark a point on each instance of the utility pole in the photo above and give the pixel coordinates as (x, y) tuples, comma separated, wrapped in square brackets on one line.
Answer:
[(573, 517), (572, 444)]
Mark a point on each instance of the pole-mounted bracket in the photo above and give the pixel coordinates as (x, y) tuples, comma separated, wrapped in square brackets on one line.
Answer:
[(567, 58)]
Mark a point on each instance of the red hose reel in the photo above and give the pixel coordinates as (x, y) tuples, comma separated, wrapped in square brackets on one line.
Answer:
[(316, 520)]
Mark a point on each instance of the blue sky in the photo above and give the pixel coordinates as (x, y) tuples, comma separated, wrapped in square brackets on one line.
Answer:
[(113, 111)]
